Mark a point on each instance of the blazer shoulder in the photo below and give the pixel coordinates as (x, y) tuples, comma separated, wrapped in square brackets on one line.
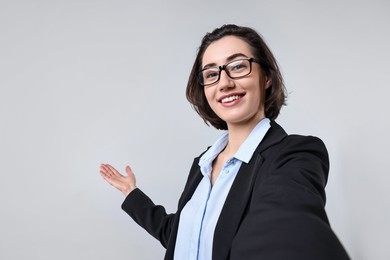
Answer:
[(308, 143), (277, 137), (294, 139)]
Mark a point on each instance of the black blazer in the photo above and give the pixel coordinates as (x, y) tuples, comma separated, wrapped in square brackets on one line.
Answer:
[(274, 209)]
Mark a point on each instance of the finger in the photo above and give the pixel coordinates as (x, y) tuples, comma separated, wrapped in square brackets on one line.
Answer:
[(105, 174), (113, 171), (106, 170), (129, 171), (103, 167)]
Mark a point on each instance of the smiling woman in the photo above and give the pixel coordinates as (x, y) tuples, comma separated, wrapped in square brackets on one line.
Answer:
[(257, 192), (237, 101)]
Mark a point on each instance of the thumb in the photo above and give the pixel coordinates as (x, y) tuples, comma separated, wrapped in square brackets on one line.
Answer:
[(129, 171), (131, 179)]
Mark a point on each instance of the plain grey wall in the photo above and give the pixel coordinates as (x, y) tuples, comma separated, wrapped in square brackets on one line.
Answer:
[(85, 82)]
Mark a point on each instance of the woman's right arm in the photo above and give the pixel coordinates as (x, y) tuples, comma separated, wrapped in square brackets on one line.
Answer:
[(153, 218)]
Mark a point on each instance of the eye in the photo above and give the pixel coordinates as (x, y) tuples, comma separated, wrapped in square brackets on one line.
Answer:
[(237, 66), (210, 74)]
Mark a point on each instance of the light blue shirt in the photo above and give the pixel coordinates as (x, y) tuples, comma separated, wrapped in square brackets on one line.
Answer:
[(200, 215)]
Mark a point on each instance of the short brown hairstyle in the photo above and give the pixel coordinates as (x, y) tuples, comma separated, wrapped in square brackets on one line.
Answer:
[(275, 95)]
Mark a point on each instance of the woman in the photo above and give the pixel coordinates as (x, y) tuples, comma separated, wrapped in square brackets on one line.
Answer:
[(256, 193)]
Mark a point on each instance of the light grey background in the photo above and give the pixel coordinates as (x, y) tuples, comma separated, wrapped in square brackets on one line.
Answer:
[(85, 82)]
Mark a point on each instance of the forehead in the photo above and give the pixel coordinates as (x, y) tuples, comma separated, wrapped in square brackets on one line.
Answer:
[(219, 51)]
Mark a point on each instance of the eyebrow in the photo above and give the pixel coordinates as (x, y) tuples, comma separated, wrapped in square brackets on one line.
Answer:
[(230, 58)]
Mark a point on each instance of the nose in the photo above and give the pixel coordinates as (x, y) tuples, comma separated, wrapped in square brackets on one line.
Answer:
[(225, 81)]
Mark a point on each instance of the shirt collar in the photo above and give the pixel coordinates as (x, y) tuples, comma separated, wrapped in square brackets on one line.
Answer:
[(209, 156), (246, 149), (250, 144)]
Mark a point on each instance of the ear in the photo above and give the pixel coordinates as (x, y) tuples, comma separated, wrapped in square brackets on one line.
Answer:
[(268, 82)]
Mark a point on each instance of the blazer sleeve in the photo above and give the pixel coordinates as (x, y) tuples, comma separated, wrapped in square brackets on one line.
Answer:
[(153, 218), (286, 218)]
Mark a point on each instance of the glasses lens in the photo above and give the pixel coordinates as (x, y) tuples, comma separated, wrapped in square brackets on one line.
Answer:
[(209, 76), (238, 68), (234, 69)]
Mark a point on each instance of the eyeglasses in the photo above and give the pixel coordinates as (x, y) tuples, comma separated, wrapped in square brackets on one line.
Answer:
[(234, 69)]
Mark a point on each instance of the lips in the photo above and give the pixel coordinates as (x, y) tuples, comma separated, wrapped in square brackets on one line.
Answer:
[(230, 98)]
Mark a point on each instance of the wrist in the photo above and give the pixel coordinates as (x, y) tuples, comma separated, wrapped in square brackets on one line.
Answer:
[(126, 192)]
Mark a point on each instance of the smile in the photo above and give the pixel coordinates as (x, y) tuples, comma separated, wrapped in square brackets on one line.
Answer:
[(230, 99)]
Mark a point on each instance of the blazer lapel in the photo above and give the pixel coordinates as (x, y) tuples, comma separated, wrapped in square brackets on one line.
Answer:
[(191, 185), (194, 178), (239, 195), (234, 208)]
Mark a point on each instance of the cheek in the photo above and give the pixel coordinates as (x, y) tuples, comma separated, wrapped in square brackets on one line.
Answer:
[(208, 96), (258, 96)]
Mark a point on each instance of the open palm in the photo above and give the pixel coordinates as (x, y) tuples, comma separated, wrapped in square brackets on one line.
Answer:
[(125, 184)]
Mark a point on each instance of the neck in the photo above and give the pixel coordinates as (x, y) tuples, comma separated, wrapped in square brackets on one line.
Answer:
[(237, 135)]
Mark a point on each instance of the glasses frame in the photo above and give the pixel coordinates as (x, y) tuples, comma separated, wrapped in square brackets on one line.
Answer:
[(199, 74)]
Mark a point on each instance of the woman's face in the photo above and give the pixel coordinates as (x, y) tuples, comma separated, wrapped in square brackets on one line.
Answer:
[(236, 101)]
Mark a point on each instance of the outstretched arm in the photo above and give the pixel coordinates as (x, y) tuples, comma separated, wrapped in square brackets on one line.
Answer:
[(125, 184), (153, 218)]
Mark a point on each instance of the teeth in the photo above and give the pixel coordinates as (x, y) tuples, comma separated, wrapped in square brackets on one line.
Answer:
[(230, 99)]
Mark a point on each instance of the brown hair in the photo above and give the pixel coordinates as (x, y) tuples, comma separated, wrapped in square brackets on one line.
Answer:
[(275, 95)]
